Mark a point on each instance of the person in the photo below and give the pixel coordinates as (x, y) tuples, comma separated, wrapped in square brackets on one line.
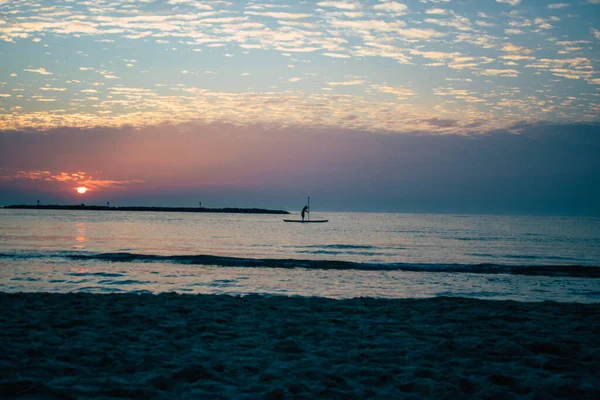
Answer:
[(304, 210)]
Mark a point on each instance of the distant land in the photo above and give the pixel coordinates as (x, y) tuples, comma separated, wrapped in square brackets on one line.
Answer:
[(142, 208)]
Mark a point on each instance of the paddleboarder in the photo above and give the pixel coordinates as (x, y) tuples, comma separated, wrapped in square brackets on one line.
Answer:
[(304, 210)]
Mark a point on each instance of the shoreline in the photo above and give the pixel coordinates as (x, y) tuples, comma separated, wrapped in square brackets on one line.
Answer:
[(219, 346), (229, 210)]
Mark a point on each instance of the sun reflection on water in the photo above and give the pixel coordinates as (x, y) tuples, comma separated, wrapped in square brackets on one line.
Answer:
[(80, 237)]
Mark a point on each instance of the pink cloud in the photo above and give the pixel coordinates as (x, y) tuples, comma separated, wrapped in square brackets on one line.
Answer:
[(77, 178)]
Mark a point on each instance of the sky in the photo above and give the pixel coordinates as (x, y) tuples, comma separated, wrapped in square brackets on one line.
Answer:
[(417, 106)]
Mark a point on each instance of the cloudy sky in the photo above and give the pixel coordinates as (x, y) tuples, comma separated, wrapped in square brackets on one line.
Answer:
[(423, 105)]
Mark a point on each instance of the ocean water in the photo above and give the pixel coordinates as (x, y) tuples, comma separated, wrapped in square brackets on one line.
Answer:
[(355, 254)]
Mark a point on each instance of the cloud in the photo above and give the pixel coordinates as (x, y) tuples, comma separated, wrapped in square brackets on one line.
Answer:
[(339, 4), (279, 15), (417, 33), (557, 6), (515, 57), (346, 14), (346, 83), (511, 48), (366, 25), (485, 24), (458, 22), (41, 71), (436, 11), (500, 72), (513, 31), (397, 91), (511, 2), (196, 4), (336, 55), (570, 68), (327, 39), (70, 178), (392, 7), (441, 123)]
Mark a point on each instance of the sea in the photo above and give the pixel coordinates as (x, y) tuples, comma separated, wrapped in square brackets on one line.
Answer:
[(384, 255)]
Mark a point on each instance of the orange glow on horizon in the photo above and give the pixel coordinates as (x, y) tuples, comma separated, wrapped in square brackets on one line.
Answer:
[(81, 189)]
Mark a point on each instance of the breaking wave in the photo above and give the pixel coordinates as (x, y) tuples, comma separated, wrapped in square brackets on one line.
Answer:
[(212, 260)]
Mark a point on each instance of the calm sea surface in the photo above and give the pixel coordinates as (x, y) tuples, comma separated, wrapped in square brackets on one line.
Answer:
[(355, 254)]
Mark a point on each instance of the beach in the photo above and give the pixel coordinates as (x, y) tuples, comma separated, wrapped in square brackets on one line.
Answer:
[(219, 346)]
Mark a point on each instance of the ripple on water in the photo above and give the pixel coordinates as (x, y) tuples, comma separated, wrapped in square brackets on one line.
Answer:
[(101, 274), (26, 279), (122, 282)]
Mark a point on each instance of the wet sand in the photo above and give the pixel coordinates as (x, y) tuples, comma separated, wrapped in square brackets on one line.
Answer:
[(66, 346)]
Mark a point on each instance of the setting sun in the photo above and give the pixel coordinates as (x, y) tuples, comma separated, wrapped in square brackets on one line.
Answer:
[(81, 189)]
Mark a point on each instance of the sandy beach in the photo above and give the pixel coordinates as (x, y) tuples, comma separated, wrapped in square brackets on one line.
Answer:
[(66, 346)]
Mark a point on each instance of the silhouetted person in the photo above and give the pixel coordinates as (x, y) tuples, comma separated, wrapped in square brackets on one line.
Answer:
[(304, 210), (38, 203), (108, 204)]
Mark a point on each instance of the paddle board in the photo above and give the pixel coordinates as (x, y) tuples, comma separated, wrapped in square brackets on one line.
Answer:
[(306, 221)]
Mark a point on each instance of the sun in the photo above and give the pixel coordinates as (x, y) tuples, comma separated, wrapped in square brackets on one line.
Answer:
[(81, 189)]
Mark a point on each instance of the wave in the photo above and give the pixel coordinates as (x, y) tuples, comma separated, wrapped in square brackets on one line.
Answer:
[(222, 261)]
